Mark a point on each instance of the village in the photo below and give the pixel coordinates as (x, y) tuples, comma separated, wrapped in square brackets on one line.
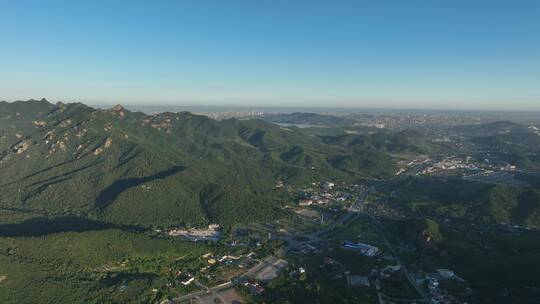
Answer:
[(486, 170), (333, 236)]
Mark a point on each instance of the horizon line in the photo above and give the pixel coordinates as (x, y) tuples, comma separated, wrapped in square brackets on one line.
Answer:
[(187, 105)]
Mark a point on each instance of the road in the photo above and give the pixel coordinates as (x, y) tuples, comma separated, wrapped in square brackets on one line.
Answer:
[(216, 289), (291, 244), (206, 290), (313, 237), (358, 207), (406, 272), (316, 236), (213, 290)]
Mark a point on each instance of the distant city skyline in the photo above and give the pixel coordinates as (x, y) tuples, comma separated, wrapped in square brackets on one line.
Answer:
[(455, 55)]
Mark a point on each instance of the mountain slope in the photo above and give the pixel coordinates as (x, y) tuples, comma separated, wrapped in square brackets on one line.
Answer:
[(159, 170)]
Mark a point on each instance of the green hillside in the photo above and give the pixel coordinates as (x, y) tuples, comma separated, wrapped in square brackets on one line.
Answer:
[(472, 200), (129, 168)]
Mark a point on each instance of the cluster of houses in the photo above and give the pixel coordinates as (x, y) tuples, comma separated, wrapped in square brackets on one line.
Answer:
[(356, 280), (212, 260), (323, 194), (316, 200), (306, 249), (364, 249), (449, 164), (254, 287), (431, 282), (228, 259), (535, 129), (197, 234)]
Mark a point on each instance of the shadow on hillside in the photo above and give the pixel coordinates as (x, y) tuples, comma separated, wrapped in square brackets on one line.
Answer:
[(43, 226), (122, 280), (113, 191)]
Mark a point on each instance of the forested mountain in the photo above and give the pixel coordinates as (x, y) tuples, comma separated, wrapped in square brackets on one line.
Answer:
[(165, 169), (470, 200)]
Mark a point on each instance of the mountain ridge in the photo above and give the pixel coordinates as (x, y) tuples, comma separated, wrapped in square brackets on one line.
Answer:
[(62, 157)]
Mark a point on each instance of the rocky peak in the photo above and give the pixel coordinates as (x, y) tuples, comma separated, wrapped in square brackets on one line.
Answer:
[(118, 108)]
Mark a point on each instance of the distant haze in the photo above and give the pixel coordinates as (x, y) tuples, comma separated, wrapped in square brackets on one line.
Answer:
[(320, 110), (482, 55)]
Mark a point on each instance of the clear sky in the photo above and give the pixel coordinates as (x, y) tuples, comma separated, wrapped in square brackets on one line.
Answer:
[(451, 54)]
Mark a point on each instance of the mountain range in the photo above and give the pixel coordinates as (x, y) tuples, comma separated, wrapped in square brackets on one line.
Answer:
[(118, 167), (130, 168)]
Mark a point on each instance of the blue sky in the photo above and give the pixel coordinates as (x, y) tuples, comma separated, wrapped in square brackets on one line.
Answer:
[(397, 54)]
